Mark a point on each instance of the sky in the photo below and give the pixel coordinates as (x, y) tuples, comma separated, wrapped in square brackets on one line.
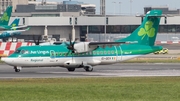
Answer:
[(125, 7)]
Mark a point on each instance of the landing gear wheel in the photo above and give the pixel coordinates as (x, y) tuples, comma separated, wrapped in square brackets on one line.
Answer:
[(71, 69), (88, 68), (17, 69)]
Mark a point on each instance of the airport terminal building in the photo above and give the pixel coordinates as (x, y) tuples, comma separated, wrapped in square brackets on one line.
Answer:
[(56, 21)]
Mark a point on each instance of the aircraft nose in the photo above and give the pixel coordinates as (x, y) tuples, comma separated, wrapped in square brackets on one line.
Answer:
[(6, 60), (3, 59)]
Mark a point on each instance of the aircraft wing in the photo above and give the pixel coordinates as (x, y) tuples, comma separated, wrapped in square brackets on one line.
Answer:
[(19, 27), (17, 31), (4, 27), (83, 47), (104, 44)]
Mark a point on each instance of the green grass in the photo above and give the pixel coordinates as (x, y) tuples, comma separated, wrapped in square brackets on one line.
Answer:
[(91, 89), (152, 60)]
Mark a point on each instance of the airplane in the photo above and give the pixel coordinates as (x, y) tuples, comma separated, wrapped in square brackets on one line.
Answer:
[(4, 20), (13, 29), (85, 55)]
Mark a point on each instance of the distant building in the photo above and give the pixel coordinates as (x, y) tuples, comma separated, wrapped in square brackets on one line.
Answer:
[(66, 8), (164, 9), (5, 3)]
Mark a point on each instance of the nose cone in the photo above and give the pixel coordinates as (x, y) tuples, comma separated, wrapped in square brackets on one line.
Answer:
[(3, 59), (6, 60)]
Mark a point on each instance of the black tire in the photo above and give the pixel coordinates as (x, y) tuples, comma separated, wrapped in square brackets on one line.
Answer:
[(17, 70), (71, 69), (88, 69)]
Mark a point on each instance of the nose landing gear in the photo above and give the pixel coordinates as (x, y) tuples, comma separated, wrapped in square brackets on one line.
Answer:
[(17, 69)]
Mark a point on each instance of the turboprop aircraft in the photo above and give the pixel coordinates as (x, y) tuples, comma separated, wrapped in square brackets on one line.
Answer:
[(85, 55)]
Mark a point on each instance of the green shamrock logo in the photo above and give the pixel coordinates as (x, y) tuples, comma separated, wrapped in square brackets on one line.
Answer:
[(5, 17), (147, 30), (13, 25)]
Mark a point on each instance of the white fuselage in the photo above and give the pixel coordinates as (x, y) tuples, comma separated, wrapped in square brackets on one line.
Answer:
[(47, 61)]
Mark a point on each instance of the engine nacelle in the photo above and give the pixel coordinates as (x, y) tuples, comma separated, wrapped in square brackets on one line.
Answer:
[(82, 47)]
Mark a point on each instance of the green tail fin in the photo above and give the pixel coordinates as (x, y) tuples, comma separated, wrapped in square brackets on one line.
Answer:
[(4, 20), (146, 33)]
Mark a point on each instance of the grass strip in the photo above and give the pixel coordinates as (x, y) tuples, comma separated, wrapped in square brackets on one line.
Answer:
[(152, 60), (91, 89)]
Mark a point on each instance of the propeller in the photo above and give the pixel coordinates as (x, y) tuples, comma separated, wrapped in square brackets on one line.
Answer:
[(70, 46), (36, 42)]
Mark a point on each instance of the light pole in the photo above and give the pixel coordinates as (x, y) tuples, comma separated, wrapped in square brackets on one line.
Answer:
[(119, 8), (114, 6)]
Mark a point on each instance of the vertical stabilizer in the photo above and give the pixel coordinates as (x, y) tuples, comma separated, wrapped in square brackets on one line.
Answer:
[(4, 20), (146, 33), (15, 23)]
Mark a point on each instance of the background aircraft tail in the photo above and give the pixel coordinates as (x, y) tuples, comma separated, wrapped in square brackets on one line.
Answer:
[(15, 22), (146, 33), (4, 20)]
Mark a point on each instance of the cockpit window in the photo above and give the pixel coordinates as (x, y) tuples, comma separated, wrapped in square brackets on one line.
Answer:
[(24, 52), (21, 51), (17, 51)]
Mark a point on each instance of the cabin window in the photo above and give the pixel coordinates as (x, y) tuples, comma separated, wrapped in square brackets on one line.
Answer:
[(94, 52), (60, 54), (86, 53), (67, 54), (97, 52), (90, 53), (22, 51), (56, 53), (105, 52), (112, 52), (101, 52), (109, 52)]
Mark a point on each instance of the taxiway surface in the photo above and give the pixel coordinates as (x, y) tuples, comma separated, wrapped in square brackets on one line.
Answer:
[(115, 70)]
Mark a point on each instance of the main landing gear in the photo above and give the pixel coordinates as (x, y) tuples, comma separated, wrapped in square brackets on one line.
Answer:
[(71, 69), (17, 69), (88, 68)]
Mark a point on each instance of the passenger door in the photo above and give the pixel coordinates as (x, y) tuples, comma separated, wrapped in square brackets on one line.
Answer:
[(118, 51)]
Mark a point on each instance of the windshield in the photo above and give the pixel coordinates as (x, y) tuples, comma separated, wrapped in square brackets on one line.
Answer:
[(17, 51), (24, 52), (21, 51)]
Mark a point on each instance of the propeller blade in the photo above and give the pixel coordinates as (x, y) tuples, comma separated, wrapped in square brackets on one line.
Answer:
[(34, 40), (70, 45), (38, 40), (70, 39)]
